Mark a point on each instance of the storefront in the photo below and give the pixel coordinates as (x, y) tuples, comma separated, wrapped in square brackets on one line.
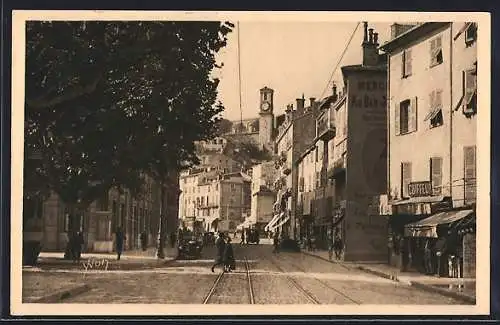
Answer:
[(446, 246)]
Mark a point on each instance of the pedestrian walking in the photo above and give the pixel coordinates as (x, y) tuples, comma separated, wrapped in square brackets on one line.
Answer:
[(79, 245), (220, 246), (229, 261), (429, 269), (242, 242), (276, 242), (144, 240), (440, 255), (337, 247), (119, 240)]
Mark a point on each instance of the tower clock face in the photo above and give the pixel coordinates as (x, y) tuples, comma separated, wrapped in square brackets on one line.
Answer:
[(266, 106)]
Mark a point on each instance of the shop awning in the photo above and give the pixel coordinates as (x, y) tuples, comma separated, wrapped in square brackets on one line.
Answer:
[(272, 222), (419, 199), (281, 223), (428, 227)]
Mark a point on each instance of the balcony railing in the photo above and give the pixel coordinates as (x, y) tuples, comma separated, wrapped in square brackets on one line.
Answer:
[(325, 126)]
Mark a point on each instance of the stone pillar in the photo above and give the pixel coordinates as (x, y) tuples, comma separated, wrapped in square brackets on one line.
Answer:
[(469, 253)]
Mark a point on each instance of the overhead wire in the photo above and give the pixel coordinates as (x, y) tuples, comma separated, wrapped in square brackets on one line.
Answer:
[(340, 60)]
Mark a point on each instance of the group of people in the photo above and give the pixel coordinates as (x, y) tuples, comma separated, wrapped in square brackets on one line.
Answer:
[(440, 256), (225, 255)]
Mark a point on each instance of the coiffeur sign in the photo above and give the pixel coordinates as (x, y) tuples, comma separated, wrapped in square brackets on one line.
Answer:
[(416, 189)]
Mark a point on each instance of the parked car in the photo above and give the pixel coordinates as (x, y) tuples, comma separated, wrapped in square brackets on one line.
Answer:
[(190, 247)]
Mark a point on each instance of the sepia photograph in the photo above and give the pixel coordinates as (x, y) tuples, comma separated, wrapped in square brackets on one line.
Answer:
[(250, 163)]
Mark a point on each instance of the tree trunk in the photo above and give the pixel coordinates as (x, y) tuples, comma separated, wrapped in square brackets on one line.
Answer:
[(161, 226), (73, 227)]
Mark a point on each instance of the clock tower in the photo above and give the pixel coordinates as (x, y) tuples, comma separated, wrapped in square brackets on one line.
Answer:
[(266, 119)]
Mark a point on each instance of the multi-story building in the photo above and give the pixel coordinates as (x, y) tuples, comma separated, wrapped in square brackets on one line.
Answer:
[(49, 221), (211, 196), (263, 194), (356, 155), (294, 135), (432, 135)]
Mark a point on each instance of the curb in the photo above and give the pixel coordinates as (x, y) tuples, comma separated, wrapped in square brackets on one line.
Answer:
[(379, 273), (63, 294), (326, 259), (444, 292)]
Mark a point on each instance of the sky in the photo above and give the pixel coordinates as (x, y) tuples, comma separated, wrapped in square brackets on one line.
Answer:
[(293, 58)]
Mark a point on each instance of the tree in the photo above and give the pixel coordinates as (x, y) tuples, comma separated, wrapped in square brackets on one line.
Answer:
[(107, 101), (246, 152)]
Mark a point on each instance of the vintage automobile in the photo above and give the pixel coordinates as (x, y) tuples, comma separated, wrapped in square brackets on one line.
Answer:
[(190, 247), (253, 236)]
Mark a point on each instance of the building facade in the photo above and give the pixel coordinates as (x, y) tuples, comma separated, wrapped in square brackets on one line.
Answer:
[(357, 156), (263, 194), (49, 221), (432, 78)]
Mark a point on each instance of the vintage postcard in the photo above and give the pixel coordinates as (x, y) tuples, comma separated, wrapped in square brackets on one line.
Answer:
[(250, 163)]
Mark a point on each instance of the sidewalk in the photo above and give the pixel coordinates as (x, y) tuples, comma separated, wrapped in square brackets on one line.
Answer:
[(459, 288), (130, 260)]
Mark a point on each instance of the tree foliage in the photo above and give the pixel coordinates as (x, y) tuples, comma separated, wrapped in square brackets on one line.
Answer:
[(108, 101), (246, 151)]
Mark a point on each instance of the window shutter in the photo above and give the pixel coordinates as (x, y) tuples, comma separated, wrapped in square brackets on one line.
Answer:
[(405, 177), (438, 43), (403, 64), (433, 47), (470, 174), (413, 114), (396, 119), (439, 99), (408, 62), (437, 174)]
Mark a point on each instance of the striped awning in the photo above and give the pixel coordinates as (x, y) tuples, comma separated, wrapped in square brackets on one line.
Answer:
[(428, 227)]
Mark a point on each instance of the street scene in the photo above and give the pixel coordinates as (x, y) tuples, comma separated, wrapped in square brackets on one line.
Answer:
[(250, 162), (260, 277)]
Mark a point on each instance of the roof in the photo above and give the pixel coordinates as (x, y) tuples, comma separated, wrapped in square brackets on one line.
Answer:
[(360, 68), (411, 35)]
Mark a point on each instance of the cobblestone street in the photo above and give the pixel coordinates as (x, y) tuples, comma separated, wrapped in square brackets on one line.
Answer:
[(285, 278)]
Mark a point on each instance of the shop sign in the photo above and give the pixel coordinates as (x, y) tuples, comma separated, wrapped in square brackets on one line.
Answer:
[(416, 189)]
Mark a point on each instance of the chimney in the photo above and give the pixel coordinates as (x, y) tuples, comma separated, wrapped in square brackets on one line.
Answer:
[(370, 49), (311, 101), (334, 89), (398, 29), (365, 35), (300, 103)]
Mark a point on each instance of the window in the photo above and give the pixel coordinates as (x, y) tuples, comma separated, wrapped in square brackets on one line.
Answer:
[(436, 51), (403, 117), (470, 174), (436, 176), (435, 115), (103, 202), (406, 116), (470, 34), (405, 178), (470, 91), (318, 180), (265, 96), (406, 64)]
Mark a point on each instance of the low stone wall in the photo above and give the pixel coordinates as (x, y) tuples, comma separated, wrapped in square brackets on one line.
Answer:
[(102, 247)]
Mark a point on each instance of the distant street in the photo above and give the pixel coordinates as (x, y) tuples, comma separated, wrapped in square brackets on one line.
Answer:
[(261, 277)]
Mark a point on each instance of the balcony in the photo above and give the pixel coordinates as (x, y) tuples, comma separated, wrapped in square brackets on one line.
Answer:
[(339, 166), (325, 126)]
